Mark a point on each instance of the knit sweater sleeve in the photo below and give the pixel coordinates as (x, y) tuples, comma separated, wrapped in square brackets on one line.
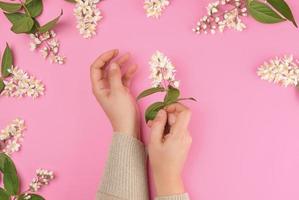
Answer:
[(125, 175), (174, 197)]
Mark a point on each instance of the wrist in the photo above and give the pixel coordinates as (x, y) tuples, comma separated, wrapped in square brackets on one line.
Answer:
[(169, 185)]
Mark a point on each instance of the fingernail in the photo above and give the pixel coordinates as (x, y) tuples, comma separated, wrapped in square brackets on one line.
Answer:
[(160, 113), (113, 66)]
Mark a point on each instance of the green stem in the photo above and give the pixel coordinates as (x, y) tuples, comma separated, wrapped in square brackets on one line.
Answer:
[(25, 8)]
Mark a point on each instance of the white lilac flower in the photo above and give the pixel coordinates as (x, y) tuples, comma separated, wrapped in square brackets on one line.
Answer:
[(43, 177), (154, 8), (222, 14), (11, 136), (162, 71), (47, 45), (87, 15), (20, 84), (283, 71)]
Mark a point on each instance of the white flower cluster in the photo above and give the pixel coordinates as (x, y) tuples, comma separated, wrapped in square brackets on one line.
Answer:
[(11, 136), (48, 46), (154, 8), (87, 15), (43, 177), (283, 71), (222, 14), (20, 84), (162, 71)]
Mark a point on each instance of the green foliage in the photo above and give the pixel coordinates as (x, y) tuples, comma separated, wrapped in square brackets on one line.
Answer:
[(172, 95), (2, 85), (7, 62), (10, 7), (283, 8), (23, 16), (24, 25), (4, 195), (10, 176), (51, 24), (263, 13), (152, 110), (34, 7), (71, 1), (150, 91)]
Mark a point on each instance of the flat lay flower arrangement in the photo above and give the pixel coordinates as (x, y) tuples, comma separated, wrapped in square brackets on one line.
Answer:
[(15, 82)]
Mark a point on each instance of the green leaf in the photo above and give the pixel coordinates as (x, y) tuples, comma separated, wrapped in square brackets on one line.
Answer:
[(4, 195), (150, 91), (2, 85), (24, 25), (283, 8), (152, 110), (14, 17), (35, 26), (7, 62), (10, 178), (35, 7), (50, 25), (10, 7), (263, 13), (33, 197), (172, 95)]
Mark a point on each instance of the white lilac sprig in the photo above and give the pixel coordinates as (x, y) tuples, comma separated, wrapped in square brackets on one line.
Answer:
[(24, 19), (283, 71), (48, 46), (228, 14), (222, 14), (11, 136), (43, 177), (163, 80), (154, 8), (87, 15), (14, 82), (10, 142)]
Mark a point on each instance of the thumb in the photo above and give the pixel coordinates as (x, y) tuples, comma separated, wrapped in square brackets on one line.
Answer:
[(157, 126)]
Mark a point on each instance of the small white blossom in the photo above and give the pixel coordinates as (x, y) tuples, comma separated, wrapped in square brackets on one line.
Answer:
[(283, 71), (11, 136), (20, 84), (87, 15), (154, 8), (162, 71), (222, 14), (47, 45), (43, 177)]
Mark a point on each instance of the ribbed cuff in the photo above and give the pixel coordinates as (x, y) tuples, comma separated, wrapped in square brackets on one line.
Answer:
[(184, 196), (125, 172)]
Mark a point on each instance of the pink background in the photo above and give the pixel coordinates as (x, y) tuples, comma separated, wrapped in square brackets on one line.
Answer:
[(245, 131)]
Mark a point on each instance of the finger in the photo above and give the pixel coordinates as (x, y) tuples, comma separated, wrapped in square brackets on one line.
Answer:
[(115, 76), (181, 123), (121, 60), (150, 123), (158, 125), (171, 118), (129, 74), (176, 107), (97, 70)]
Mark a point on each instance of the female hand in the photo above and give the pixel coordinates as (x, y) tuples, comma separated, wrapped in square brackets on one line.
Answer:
[(111, 89), (167, 154)]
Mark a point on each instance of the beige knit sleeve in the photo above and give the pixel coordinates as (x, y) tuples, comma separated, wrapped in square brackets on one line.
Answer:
[(174, 197), (125, 175)]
